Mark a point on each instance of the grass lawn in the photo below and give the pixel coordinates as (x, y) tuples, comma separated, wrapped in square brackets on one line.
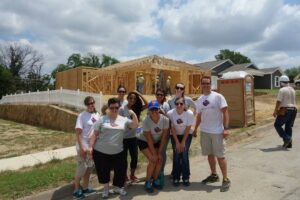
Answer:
[(16, 184)]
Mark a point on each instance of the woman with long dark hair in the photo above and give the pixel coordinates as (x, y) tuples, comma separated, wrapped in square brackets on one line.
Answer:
[(164, 108), (137, 103)]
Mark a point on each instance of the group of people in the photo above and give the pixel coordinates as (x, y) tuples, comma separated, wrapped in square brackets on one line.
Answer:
[(107, 139)]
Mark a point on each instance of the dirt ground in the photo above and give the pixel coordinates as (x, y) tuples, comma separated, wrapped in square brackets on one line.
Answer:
[(19, 139)]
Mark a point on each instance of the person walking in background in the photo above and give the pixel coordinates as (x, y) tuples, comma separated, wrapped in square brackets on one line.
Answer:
[(106, 146), (137, 103), (84, 129), (213, 117), (181, 123), (285, 111), (121, 95), (164, 108), (152, 142)]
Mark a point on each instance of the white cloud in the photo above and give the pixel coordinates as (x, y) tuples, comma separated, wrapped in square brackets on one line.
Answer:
[(60, 28), (267, 31)]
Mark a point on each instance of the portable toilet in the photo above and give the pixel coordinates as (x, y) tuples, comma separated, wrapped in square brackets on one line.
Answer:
[(238, 90)]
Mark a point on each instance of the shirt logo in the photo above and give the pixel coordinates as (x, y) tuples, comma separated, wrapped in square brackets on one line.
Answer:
[(113, 124), (179, 121), (157, 129), (206, 102)]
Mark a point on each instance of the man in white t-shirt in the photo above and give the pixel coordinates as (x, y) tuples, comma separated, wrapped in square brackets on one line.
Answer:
[(285, 111), (213, 117)]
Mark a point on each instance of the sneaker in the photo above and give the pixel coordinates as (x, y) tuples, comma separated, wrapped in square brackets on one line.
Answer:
[(225, 185), (290, 145), (148, 187), (176, 183), (134, 179), (211, 179), (286, 143), (88, 191), (156, 184), (120, 190), (105, 194), (78, 194), (186, 183)]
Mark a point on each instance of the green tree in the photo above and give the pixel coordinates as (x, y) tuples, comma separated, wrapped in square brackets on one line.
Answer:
[(6, 82), (75, 60), (91, 60), (235, 57), (108, 60), (292, 73)]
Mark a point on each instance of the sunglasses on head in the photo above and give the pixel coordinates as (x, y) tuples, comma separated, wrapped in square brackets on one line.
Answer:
[(122, 91), (159, 94), (179, 88), (114, 108), (179, 104), (90, 103)]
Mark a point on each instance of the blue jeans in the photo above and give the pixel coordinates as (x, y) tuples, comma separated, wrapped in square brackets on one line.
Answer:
[(181, 163), (287, 120)]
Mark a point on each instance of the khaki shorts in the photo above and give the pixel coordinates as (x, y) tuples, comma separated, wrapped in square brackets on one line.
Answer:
[(83, 166), (212, 144)]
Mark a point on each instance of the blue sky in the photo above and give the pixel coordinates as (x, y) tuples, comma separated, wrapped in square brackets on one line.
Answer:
[(194, 31)]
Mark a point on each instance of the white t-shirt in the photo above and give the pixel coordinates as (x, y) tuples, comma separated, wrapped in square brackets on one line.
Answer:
[(180, 122), (85, 122), (287, 97), (111, 134), (211, 115)]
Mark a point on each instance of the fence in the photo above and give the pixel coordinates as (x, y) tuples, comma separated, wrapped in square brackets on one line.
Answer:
[(60, 97)]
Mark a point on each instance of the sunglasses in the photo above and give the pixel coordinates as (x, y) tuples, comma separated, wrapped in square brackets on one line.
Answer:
[(122, 91), (90, 103), (114, 108), (179, 104), (179, 88), (154, 109), (159, 94)]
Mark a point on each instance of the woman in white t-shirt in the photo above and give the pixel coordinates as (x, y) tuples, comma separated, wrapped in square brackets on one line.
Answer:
[(84, 129), (181, 122)]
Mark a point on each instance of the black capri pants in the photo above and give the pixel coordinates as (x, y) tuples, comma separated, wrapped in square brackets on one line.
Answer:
[(105, 162), (130, 144)]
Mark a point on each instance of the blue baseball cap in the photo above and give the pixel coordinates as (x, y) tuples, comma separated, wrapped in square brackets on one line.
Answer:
[(153, 104)]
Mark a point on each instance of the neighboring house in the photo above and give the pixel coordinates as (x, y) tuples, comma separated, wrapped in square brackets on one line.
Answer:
[(263, 78), (215, 67), (250, 68), (270, 80)]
